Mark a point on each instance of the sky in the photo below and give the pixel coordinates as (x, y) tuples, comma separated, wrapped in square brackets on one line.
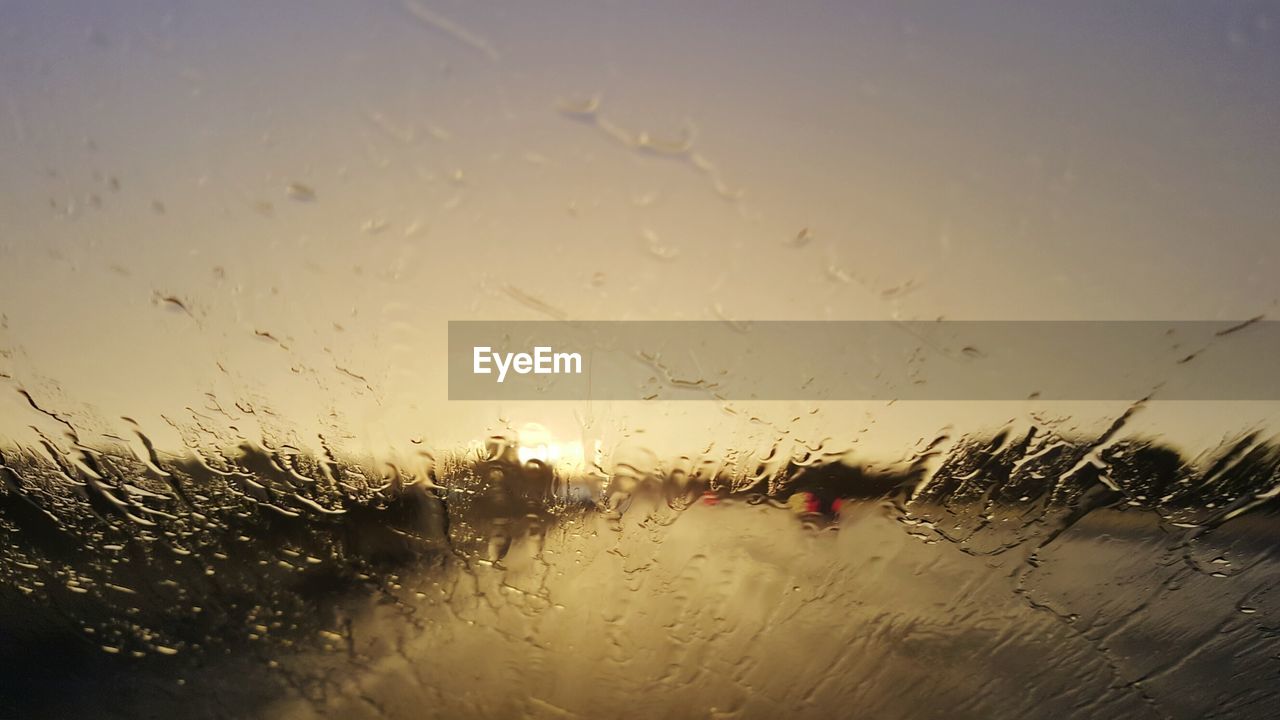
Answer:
[(268, 213)]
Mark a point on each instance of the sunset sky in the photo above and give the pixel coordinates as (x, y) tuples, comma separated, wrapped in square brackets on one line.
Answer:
[(280, 205)]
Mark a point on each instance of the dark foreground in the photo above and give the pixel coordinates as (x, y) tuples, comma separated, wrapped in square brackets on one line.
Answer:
[(945, 598)]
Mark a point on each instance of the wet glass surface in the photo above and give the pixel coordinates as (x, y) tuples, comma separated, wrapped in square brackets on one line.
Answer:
[(232, 483)]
